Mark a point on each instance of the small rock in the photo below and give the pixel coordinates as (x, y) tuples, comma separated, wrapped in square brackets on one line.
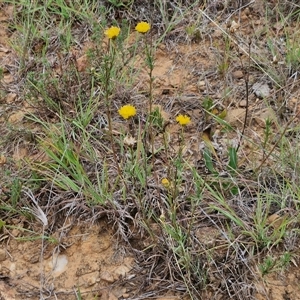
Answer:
[(234, 26), (257, 22), (106, 276), (15, 221), (82, 63), (235, 117), (34, 259), (15, 232), (2, 159), (261, 90), (244, 17), (275, 220), (238, 74), (201, 85), (10, 98), (121, 271), (217, 34), (20, 153), (2, 254), (251, 79), (263, 115), (58, 263), (162, 47), (91, 281), (247, 11), (111, 296), (243, 103), (3, 49), (16, 117), (8, 78)]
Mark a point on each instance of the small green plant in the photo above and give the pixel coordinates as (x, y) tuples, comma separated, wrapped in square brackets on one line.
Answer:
[(157, 120), (233, 159), (267, 265), (224, 62), (208, 104), (285, 260), (78, 294), (272, 264), (16, 188), (193, 32), (1, 73)]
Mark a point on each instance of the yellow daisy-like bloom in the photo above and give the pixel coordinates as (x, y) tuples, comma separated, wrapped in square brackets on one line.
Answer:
[(127, 111), (183, 120), (165, 182), (112, 32), (142, 27)]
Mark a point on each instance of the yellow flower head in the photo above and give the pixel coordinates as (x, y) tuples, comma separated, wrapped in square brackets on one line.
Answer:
[(165, 182), (142, 27), (127, 111), (112, 32), (183, 120)]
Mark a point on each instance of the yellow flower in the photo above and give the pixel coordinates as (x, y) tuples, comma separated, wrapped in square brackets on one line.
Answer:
[(142, 27), (183, 120), (127, 111), (165, 182), (112, 32)]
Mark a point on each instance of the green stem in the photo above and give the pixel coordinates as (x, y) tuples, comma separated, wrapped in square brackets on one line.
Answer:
[(109, 63)]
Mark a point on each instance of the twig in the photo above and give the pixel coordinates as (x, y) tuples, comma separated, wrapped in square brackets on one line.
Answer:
[(246, 78)]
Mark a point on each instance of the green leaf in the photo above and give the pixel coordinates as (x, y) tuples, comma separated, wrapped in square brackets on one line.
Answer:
[(234, 190), (220, 121), (2, 223), (208, 160), (233, 159), (208, 103)]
